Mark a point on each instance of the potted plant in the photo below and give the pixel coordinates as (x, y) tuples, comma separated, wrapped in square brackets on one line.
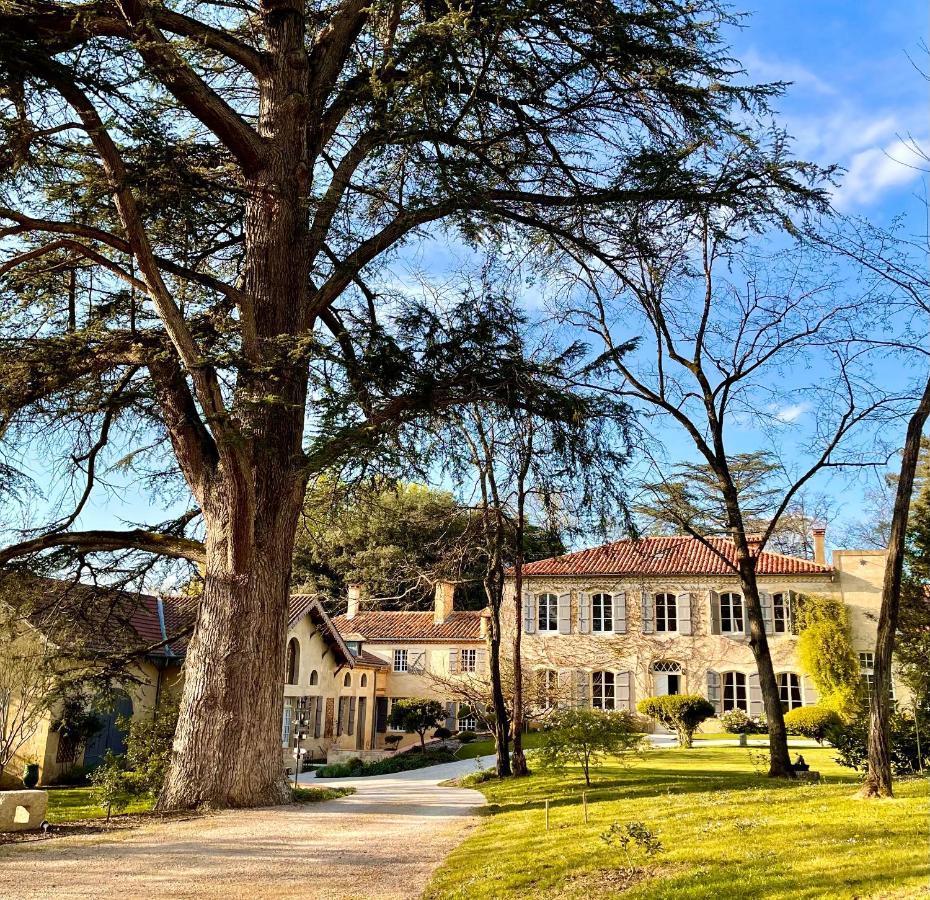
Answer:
[(30, 774)]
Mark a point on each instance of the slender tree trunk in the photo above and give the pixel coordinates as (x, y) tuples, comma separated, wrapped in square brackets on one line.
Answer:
[(501, 725), (878, 780), (519, 757)]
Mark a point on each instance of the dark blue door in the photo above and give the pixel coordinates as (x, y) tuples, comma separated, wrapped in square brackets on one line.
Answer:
[(109, 737)]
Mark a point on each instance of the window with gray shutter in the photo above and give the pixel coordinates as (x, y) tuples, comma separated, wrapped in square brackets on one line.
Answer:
[(756, 706), (481, 661), (529, 613), (684, 614), (417, 663), (450, 716), (811, 694), (582, 688), (565, 613), (714, 612), (768, 612), (584, 613), (620, 613), (647, 613), (624, 681), (453, 661), (713, 689)]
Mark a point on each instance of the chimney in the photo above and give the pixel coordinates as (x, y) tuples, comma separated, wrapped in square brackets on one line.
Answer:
[(820, 552), (443, 601), (355, 598)]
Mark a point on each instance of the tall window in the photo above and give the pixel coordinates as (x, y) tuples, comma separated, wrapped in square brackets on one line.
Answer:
[(603, 695), (602, 610), (547, 686), (391, 702), (347, 681), (468, 661), (731, 613), (400, 660), (789, 690), (314, 678), (781, 606), (666, 612), (548, 612), (666, 676), (293, 661), (867, 675), (287, 718), (734, 691)]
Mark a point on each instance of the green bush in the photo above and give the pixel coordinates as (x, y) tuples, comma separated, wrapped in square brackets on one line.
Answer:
[(683, 713), (417, 715), (73, 776), (735, 721), (814, 722), (403, 762), (466, 737), (442, 733), (908, 754)]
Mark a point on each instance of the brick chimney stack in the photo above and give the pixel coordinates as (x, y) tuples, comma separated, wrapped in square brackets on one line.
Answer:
[(820, 545), (354, 600), (443, 601)]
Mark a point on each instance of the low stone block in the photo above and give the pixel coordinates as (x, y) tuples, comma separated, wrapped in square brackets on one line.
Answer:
[(22, 810), (808, 776)]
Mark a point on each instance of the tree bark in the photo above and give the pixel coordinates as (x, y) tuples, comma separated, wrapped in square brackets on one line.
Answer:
[(878, 781), (501, 725)]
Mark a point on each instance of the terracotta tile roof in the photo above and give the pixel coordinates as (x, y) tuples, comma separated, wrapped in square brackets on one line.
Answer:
[(369, 659), (309, 605), (461, 625), (667, 556)]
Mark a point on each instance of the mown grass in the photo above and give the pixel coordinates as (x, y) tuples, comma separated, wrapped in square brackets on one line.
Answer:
[(486, 748), (727, 832), (318, 795), (71, 804)]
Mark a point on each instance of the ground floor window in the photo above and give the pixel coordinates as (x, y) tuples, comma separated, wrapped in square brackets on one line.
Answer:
[(666, 676), (867, 676), (466, 719), (547, 687), (286, 721), (391, 703), (789, 690), (603, 694), (734, 691)]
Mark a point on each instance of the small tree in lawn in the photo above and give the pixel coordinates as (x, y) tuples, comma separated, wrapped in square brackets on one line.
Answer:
[(417, 715), (585, 736), (680, 712)]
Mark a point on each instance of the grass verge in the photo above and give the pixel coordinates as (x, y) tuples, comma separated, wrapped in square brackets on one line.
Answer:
[(73, 804), (318, 795), (727, 832)]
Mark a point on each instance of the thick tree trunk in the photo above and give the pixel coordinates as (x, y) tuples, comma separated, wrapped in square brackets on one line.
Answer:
[(878, 780)]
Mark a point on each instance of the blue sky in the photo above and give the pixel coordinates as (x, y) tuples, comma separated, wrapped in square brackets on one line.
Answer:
[(856, 99)]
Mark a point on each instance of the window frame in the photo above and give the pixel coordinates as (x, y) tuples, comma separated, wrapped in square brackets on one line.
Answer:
[(551, 608), (400, 654), (468, 660), (607, 682), (782, 600), (598, 617), (789, 683), (669, 601), (731, 609), (736, 689)]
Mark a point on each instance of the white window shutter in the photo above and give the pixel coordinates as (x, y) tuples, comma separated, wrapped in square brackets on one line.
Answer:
[(684, 614), (648, 620), (714, 612), (624, 689), (768, 611), (417, 663), (582, 688), (529, 613), (584, 613), (713, 689), (811, 694), (620, 613), (565, 613), (756, 706), (453, 661), (481, 661)]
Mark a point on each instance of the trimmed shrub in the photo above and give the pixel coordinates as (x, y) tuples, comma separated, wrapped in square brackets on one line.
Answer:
[(402, 762), (814, 722), (442, 733), (417, 715), (466, 737), (908, 754), (683, 713), (738, 722)]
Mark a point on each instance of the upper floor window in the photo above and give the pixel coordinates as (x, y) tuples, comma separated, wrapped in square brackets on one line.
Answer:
[(603, 690), (602, 612), (347, 681), (789, 690), (314, 678), (292, 668), (548, 612), (731, 613), (468, 661), (666, 612), (734, 691), (781, 611), (400, 660), (364, 681)]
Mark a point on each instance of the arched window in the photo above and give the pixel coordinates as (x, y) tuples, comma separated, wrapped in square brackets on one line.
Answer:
[(789, 690), (731, 613), (364, 681), (666, 676), (602, 612), (292, 669), (548, 612), (666, 612), (734, 691), (347, 681), (314, 678)]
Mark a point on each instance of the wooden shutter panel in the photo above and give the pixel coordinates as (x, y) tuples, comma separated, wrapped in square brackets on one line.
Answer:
[(381, 714), (582, 688), (756, 706), (713, 689), (318, 717), (714, 612), (584, 613), (684, 614), (529, 612), (624, 689), (351, 728), (565, 613), (792, 599), (481, 661), (768, 611), (453, 661), (450, 716), (620, 613), (648, 620), (811, 694)]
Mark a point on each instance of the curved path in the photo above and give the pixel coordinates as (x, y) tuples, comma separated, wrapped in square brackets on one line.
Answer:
[(382, 842)]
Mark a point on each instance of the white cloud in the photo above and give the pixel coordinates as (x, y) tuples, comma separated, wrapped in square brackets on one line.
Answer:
[(792, 413), (767, 68), (874, 171)]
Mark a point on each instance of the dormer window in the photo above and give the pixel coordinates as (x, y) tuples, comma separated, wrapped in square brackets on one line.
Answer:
[(355, 647)]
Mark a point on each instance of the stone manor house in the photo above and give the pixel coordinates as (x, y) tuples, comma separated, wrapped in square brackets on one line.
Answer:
[(602, 627)]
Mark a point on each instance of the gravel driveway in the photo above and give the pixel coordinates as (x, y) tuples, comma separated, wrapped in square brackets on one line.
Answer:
[(382, 842)]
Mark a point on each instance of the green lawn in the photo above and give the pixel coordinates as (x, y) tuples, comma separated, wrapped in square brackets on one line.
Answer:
[(486, 748), (727, 831), (73, 803)]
